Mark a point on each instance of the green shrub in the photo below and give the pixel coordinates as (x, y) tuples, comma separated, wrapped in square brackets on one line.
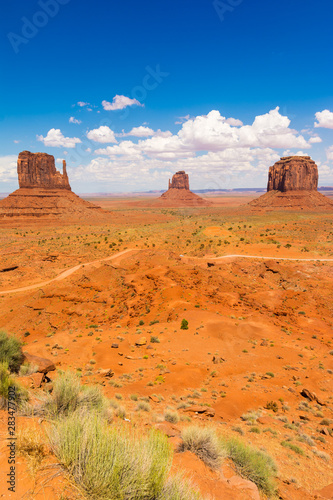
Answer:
[(203, 442), (111, 463), (7, 381), (69, 395), (252, 464), (11, 351), (293, 447), (184, 324)]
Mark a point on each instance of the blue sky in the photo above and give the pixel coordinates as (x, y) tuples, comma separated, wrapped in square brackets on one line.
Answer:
[(130, 92)]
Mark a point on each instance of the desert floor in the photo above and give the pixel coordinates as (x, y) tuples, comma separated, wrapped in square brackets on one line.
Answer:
[(94, 296)]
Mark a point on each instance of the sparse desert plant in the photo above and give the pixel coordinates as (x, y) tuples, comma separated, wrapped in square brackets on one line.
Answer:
[(251, 416), (154, 339), (11, 351), (293, 447), (69, 395), (171, 416), (238, 429), (322, 455), (31, 444), (184, 324), (111, 463), (144, 406), (6, 382), (252, 464), (272, 405), (178, 488), (27, 369), (203, 442)]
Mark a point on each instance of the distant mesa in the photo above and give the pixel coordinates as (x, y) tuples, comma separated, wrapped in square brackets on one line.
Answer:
[(292, 185), (179, 193), (44, 191)]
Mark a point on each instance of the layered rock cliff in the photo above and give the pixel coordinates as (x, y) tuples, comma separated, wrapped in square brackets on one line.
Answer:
[(37, 170), (293, 173), (179, 181), (292, 185)]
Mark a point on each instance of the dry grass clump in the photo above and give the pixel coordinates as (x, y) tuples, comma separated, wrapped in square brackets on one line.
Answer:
[(171, 416), (31, 444), (10, 351), (178, 488), (27, 369), (8, 381), (252, 464), (69, 396), (112, 463), (203, 442)]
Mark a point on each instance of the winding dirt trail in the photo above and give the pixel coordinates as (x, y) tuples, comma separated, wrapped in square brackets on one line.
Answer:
[(66, 273), (257, 257), (72, 270)]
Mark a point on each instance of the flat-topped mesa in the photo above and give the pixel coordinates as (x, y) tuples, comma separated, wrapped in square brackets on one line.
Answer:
[(179, 181), (293, 173), (37, 170)]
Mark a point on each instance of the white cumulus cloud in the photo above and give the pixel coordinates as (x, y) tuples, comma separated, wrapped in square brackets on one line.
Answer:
[(139, 132), (103, 134), (329, 153), (56, 139), (82, 104), (234, 122), (120, 102), (8, 168), (314, 140), (74, 120), (325, 119)]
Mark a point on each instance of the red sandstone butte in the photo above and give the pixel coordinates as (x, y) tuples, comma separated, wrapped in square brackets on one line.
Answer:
[(293, 173), (292, 185), (179, 194), (44, 192), (37, 170)]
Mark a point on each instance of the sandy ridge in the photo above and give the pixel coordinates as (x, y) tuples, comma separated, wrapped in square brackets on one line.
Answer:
[(68, 272)]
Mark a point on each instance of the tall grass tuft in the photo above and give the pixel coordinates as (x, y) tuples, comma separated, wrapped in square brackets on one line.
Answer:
[(111, 463), (7, 381), (69, 396), (10, 351), (203, 442), (252, 464), (178, 488)]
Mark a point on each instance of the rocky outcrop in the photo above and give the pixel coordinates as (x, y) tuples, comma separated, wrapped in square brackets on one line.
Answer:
[(38, 170), (179, 181), (44, 192), (293, 173), (179, 194), (292, 185)]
